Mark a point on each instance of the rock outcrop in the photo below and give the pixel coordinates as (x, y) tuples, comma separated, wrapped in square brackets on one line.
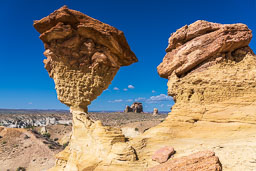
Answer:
[(211, 76), (201, 45), (155, 112), (83, 56), (136, 107)]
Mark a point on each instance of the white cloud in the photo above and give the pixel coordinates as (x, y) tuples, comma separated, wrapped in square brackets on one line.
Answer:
[(153, 91), (159, 98), (140, 99), (125, 89), (131, 86), (115, 88), (154, 99), (116, 101), (162, 105), (30, 103), (129, 100), (106, 90)]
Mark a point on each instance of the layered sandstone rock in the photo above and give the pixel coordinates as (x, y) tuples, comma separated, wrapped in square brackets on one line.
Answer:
[(200, 45), (211, 76), (83, 56), (211, 72)]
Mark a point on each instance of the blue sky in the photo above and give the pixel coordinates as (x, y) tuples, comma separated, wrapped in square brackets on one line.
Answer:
[(147, 26)]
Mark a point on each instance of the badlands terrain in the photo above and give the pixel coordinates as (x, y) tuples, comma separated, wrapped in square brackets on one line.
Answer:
[(34, 150)]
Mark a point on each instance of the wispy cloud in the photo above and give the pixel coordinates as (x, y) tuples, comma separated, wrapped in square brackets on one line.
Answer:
[(159, 98), (141, 99), (129, 100), (116, 101), (154, 99), (115, 88), (30, 103), (125, 89), (131, 86), (153, 91)]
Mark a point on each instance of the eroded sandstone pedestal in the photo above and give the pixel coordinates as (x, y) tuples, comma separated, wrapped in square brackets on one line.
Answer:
[(83, 56)]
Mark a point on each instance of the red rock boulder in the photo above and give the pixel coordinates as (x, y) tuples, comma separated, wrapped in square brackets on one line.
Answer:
[(163, 154), (200, 161)]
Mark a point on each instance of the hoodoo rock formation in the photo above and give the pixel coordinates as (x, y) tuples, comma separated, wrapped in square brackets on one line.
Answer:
[(83, 56)]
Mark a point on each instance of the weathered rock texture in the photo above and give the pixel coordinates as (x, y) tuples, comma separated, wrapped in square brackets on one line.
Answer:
[(200, 161), (83, 56), (211, 76), (200, 45)]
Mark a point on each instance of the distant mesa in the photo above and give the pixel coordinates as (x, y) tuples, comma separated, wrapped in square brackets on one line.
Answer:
[(136, 107)]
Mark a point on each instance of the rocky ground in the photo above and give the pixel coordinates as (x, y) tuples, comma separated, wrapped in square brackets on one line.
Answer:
[(31, 149)]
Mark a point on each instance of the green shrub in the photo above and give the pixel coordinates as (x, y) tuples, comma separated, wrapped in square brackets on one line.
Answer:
[(51, 146), (4, 142), (65, 145), (47, 135), (21, 169)]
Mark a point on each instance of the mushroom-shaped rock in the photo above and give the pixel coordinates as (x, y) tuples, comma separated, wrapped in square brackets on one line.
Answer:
[(83, 56)]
